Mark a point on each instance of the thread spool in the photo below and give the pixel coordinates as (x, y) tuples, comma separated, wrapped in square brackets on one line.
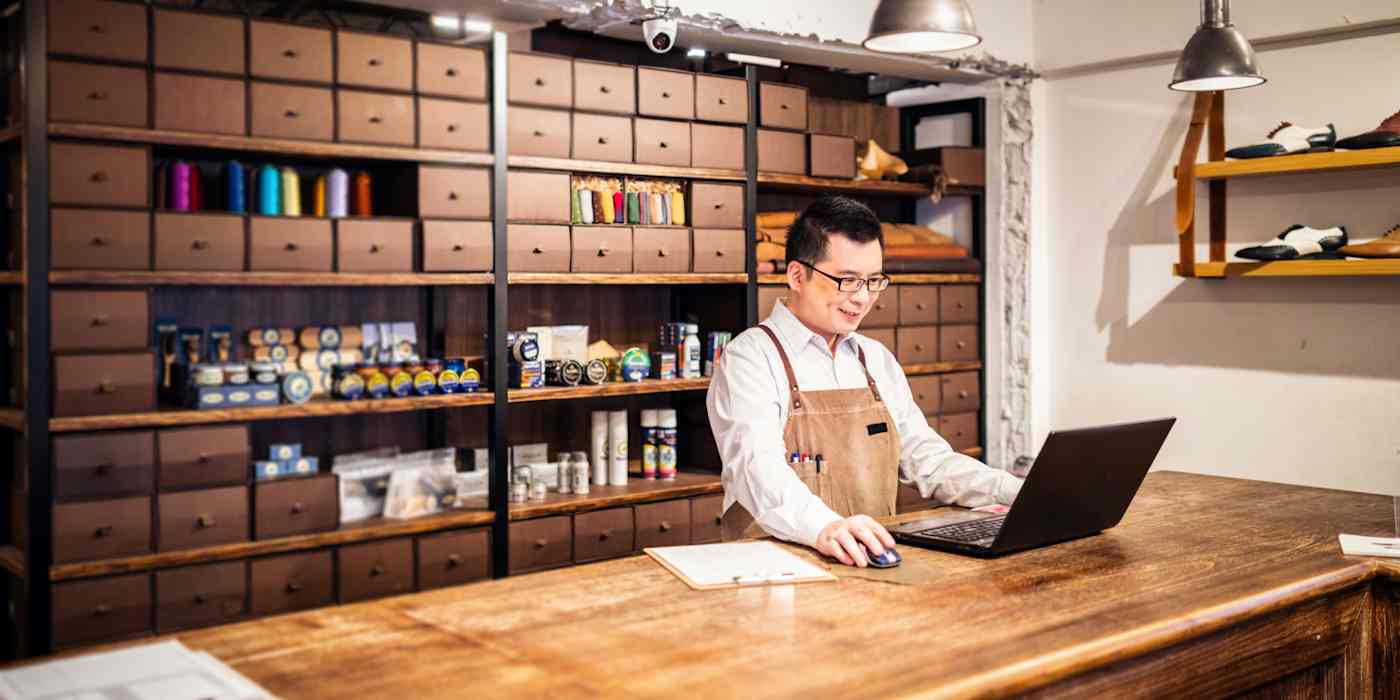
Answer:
[(617, 448), (269, 191), (291, 193), (318, 206), (235, 190), (362, 206), (599, 445), (337, 194), (179, 186), (196, 188)]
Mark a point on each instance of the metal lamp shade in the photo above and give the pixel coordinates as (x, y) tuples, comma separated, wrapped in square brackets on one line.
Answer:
[(1218, 57), (922, 26)]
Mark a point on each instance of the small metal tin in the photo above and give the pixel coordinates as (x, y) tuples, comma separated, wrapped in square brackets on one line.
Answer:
[(519, 492), (208, 375), (538, 491), (263, 372), (297, 387), (237, 373), (595, 372)]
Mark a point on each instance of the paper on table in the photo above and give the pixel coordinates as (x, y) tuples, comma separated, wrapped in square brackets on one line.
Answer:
[(165, 670), (1360, 546), (737, 563)]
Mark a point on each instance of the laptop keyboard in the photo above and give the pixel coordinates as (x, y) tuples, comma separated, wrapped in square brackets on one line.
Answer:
[(971, 532)]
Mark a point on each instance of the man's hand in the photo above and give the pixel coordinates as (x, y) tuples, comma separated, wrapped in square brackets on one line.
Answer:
[(840, 540)]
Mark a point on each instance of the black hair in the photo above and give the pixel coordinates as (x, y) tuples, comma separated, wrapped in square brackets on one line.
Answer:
[(807, 237)]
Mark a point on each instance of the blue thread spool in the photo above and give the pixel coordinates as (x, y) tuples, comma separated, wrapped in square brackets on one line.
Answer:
[(235, 190), (269, 191)]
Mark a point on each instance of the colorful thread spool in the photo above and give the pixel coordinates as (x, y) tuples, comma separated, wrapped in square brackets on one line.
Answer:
[(337, 194), (235, 190), (269, 191), (291, 193)]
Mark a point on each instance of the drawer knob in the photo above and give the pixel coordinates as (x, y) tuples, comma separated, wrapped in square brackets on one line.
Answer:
[(539, 82), (537, 251), (290, 114), (200, 245), (451, 128), (99, 176), (290, 53), (602, 252), (204, 522), (663, 144), (98, 241), (297, 508), (719, 520), (294, 587), (719, 253), (452, 196), (292, 246), (199, 599), (451, 72), (375, 120), (962, 344), (541, 544), (719, 205), (375, 248), (457, 248), (538, 133), (604, 535), (106, 388), (604, 89), (962, 394), (375, 62), (99, 321), (102, 531), (97, 96), (959, 305), (662, 253), (665, 526), (918, 347), (377, 570), (203, 458), (782, 106), (104, 467), (919, 397), (724, 100), (454, 560), (603, 140), (101, 610), (97, 29), (665, 95)]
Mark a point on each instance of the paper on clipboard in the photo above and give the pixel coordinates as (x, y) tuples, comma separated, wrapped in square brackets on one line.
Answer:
[(710, 566)]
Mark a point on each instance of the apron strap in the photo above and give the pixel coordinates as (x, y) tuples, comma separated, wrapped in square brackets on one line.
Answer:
[(868, 379), (787, 365)]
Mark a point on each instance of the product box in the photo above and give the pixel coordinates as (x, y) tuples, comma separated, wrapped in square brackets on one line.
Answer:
[(301, 466), (562, 342), (283, 452), (529, 453), (266, 470)]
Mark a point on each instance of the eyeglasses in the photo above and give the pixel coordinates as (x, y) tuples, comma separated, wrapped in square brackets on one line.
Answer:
[(851, 285)]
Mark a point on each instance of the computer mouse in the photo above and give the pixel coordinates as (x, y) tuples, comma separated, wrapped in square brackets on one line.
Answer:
[(888, 560)]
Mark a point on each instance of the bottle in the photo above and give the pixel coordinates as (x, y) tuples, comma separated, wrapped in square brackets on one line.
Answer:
[(617, 448), (666, 444), (691, 351), (600, 448), (566, 476), (649, 427), (580, 473)]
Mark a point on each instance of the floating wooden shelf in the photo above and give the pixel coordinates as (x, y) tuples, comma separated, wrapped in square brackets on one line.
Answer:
[(266, 279), (1300, 163), (823, 185), (904, 278), (646, 386), (609, 168), (374, 529), (1294, 268), (637, 490), (283, 147), (638, 278), (12, 560), (311, 409), (12, 418), (12, 132), (941, 367), (11, 278)]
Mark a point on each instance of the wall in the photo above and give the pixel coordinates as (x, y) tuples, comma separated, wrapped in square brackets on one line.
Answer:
[(1285, 380)]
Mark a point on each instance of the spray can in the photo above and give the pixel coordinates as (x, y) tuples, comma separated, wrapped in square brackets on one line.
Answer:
[(666, 444), (649, 457)]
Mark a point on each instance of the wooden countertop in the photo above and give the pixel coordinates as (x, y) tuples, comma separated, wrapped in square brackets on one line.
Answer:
[(1194, 555)]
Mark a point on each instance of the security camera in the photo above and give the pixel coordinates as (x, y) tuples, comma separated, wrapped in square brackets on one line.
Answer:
[(661, 32)]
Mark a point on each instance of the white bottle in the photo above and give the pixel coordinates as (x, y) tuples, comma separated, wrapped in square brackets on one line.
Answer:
[(617, 448), (579, 471), (689, 366), (599, 452)]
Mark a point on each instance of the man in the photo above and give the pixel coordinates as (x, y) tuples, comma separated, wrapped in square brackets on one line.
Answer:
[(805, 382)]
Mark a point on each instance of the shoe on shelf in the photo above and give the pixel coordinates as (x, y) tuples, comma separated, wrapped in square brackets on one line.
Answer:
[(1387, 246), (1289, 138), (1385, 135), (1298, 242)]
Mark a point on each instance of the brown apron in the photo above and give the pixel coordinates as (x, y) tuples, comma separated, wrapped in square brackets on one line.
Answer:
[(853, 432)]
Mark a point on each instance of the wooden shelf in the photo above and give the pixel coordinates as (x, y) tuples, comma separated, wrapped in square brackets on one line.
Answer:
[(646, 386), (374, 529), (1300, 163), (12, 560), (637, 490), (822, 185), (311, 409), (283, 147), (13, 132), (266, 279), (12, 418), (1294, 268), (609, 168), (903, 278), (974, 452), (941, 367), (637, 278), (11, 278)]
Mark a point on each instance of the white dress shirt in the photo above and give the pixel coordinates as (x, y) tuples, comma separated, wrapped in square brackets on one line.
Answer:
[(748, 408)]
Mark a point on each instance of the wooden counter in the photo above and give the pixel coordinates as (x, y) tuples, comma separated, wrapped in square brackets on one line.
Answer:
[(1210, 587)]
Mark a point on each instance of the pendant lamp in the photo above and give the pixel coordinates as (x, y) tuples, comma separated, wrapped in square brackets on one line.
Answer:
[(1217, 57), (922, 26)]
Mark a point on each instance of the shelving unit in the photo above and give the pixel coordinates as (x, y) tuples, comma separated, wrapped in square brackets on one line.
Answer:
[(778, 182), (582, 278), (311, 409), (685, 485), (908, 278), (941, 368), (646, 386), (612, 168), (145, 278), (1294, 268)]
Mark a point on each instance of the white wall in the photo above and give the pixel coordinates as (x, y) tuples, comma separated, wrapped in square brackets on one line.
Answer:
[(1291, 380)]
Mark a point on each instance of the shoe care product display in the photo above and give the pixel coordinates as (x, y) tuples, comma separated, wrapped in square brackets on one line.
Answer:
[(563, 356), (285, 461), (1384, 136), (266, 190), (1289, 138), (610, 200), (1299, 242), (1387, 246)]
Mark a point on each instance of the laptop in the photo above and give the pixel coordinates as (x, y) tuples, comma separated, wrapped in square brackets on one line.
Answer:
[(1080, 485)]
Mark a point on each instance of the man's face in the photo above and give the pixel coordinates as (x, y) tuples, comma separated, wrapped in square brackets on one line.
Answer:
[(818, 302)]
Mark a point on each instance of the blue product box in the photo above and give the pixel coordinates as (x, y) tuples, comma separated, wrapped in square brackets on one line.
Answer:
[(206, 397), (265, 470), (284, 452), (265, 394), (301, 466)]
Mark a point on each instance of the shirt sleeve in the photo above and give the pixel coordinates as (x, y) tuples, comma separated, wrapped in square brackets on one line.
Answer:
[(745, 416)]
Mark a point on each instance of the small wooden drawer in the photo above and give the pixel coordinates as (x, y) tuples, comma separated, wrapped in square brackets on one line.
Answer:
[(928, 392), (100, 240), (537, 196), (782, 152), (457, 246), (721, 99), (85, 320), (101, 609), (605, 87), (664, 524), (202, 518), (104, 465), (536, 79), (117, 176), (91, 385), (101, 529), (601, 137), (918, 304), (884, 311), (292, 244), (958, 303), (374, 60), (541, 543), (375, 569), (290, 52), (964, 165), (962, 392), (538, 132), (716, 146), (454, 125), (451, 71), (603, 249), (960, 430), (603, 534), (460, 193), (453, 558), (199, 241), (372, 117), (201, 457), (292, 112), (374, 245), (662, 142), (534, 248), (782, 106), (98, 29), (295, 506), (666, 93), (832, 156), (768, 297), (199, 596), (706, 514), (713, 205), (718, 250), (199, 41), (660, 250), (92, 94), (195, 103), (916, 344), (958, 344), (291, 582)]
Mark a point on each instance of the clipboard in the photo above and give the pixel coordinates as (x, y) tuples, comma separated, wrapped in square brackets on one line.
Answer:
[(707, 567)]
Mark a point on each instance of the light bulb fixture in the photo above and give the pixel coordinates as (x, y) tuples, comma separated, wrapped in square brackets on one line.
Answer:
[(922, 26), (696, 53), (447, 23), (476, 26), (1217, 57)]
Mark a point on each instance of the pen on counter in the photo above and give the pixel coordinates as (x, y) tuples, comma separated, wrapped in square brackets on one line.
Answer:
[(819, 464)]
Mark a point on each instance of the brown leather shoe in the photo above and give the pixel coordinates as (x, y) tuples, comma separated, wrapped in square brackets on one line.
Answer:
[(1387, 246), (1383, 136)]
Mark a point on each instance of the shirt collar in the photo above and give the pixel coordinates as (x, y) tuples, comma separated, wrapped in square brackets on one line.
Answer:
[(796, 335)]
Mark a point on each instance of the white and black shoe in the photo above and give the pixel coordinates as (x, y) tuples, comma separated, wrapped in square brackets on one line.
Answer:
[(1289, 138), (1299, 242)]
